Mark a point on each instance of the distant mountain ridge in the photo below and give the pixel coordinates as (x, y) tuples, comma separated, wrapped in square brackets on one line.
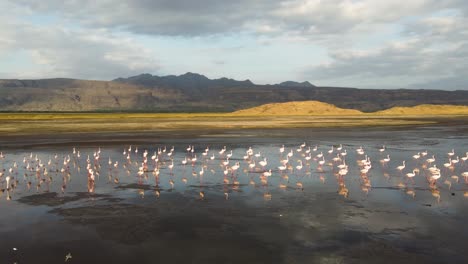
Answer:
[(192, 92), (187, 80), (296, 84)]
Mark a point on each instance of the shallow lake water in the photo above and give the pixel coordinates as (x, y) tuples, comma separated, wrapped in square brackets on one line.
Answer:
[(211, 210)]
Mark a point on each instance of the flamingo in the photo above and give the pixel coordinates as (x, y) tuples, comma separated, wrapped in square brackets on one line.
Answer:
[(171, 182), (448, 183), (436, 194), (299, 167), (447, 165), (285, 161), (401, 167), (281, 150), (171, 166), (411, 192), (435, 176), (363, 160), (337, 158), (299, 185), (450, 154), (343, 165), (7, 179), (387, 159), (282, 168), (364, 170), (382, 149), (344, 153), (221, 152), (360, 150), (430, 160), (434, 169), (411, 174), (250, 151), (465, 175), (465, 158), (252, 165), (321, 162), (68, 257), (235, 167)]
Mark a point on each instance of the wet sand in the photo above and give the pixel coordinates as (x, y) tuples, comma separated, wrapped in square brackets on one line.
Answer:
[(315, 225)]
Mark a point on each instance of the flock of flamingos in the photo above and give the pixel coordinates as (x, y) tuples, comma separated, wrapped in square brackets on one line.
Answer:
[(252, 168)]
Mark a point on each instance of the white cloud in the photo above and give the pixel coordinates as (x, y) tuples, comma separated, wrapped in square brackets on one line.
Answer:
[(157, 17), (403, 64), (429, 46), (90, 54), (205, 17)]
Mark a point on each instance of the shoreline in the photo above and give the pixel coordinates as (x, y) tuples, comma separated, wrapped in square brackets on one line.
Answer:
[(13, 125), (108, 138)]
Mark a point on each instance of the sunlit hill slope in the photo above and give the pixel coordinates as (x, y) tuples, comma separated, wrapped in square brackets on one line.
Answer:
[(297, 108), (320, 108), (426, 109)]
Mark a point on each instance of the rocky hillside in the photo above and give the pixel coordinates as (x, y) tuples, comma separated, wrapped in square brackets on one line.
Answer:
[(193, 92), (82, 95)]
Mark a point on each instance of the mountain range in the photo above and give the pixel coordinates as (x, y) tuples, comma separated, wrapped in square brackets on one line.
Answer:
[(193, 92)]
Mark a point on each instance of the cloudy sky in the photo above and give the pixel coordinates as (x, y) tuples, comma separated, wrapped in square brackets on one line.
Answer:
[(357, 43)]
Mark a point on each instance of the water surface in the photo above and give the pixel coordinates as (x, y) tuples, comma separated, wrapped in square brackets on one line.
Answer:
[(302, 218)]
